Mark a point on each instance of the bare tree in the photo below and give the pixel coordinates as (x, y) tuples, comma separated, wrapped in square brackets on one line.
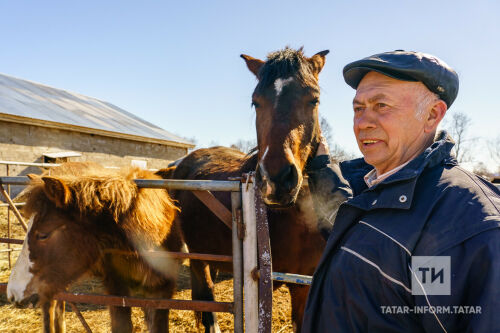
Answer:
[(494, 148), (459, 127), (326, 130), (482, 170), (337, 153), (245, 145), (193, 140)]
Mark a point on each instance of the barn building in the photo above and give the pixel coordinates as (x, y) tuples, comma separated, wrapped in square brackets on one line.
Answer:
[(44, 124)]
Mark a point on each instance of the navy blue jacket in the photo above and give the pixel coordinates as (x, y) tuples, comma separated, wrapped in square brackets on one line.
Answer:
[(431, 207)]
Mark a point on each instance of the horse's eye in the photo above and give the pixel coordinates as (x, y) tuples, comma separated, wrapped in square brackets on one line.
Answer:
[(255, 104), (314, 102), (42, 236)]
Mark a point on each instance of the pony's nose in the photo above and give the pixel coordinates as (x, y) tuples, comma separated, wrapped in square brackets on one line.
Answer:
[(287, 178), (31, 301)]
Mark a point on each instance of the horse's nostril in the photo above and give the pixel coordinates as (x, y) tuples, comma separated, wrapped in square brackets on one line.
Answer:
[(287, 177), (34, 299)]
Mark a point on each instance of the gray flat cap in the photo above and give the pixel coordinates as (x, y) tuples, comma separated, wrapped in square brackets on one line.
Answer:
[(437, 76)]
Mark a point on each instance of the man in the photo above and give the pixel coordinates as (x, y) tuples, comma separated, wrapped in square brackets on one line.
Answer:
[(417, 247)]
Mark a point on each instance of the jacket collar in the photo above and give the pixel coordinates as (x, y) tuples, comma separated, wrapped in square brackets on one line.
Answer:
[(397, 190)]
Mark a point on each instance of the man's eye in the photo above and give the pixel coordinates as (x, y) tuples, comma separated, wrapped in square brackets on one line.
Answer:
[(255, 104), (358, 108), (381, 105)]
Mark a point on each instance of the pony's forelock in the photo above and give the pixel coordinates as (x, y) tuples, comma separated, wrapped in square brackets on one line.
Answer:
[(146, 215)]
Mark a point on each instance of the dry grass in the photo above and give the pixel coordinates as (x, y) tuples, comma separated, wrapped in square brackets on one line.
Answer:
[(29, 320)]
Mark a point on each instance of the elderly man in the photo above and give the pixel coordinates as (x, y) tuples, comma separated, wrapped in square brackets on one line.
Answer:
[(417, 246)]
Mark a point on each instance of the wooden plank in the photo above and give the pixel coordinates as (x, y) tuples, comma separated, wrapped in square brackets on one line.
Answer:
[(11, 240), (215, 207), (80, 317), (250, 285), (204, 306), (265, 266), (237, 263), (17, 204), (13, 207)]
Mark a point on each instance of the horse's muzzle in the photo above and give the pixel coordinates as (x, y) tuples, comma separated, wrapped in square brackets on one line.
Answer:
[(31, 301), (281, 190)]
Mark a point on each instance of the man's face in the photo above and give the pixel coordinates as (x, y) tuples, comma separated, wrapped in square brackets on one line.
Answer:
[(387, 129)]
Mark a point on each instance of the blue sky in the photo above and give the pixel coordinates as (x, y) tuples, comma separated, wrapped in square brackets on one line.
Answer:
[(177, 64)]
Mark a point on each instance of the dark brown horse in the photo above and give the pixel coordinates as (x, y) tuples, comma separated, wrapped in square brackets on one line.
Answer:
[(80, 218), (286, 102)]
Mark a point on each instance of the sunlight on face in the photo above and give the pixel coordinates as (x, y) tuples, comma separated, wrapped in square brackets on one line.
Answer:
[(387, 130)]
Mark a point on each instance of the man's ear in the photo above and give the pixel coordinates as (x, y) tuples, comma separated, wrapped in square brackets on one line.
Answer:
[(317, 61), (253, 64), (57, 191), (435, 116)]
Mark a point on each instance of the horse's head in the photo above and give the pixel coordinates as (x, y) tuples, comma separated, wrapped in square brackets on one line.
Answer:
[(286, 101), (56, 250)]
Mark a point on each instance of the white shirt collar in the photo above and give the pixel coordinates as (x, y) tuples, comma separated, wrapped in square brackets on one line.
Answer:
[(372, 179)]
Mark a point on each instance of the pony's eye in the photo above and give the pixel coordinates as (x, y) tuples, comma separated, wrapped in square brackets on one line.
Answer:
[(42, 236), (314, 102), (255, 104)]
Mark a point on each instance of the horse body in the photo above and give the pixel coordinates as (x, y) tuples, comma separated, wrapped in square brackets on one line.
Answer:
[(80, 219), (296, 244)]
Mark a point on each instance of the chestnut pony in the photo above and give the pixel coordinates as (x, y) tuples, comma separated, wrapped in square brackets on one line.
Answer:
[(286, 101), (87, 219)]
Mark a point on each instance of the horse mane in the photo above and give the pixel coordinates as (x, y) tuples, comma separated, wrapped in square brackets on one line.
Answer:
[(283, 64), (145, 215)]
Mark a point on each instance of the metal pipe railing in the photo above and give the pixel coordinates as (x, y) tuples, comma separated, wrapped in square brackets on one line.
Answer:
[(42, 165), (172, 184)]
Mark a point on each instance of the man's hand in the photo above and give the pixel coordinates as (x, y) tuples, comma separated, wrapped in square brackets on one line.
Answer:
[(322, 147)]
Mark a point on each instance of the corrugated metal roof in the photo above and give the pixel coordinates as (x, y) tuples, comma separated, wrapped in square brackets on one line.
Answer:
[(33, 100)]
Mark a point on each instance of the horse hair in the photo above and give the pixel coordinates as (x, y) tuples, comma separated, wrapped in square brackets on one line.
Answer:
[(283, 64), (143, 213)]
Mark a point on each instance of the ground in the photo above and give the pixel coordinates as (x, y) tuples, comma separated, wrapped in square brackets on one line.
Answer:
[(15, 320)]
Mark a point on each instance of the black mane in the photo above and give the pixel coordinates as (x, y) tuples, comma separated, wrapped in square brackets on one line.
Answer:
[(283, 64)]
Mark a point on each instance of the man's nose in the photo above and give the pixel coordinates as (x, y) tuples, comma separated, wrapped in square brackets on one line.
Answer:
[(366, 120)]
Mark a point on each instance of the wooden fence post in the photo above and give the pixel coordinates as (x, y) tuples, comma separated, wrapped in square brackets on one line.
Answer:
[(250, 277)]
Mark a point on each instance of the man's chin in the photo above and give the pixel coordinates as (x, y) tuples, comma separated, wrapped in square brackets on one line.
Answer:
[(372, 160)]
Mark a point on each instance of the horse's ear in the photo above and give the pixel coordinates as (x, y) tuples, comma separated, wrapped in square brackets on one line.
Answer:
[(253, 64), (33, 177), (318, 61), (57, 191), (167, 173)]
